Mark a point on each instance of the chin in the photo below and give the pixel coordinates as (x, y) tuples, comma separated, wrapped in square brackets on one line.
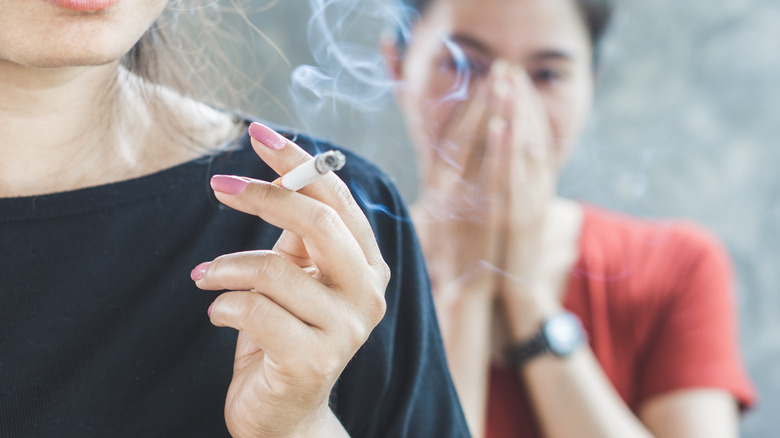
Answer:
[(45, 36), (60, 60), (69, 53), (81, 59)]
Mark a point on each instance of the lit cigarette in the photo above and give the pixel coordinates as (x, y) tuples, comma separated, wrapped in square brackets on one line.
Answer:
[(312, 170)]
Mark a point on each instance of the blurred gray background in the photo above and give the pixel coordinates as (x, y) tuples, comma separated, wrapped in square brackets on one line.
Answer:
[(685, 125)]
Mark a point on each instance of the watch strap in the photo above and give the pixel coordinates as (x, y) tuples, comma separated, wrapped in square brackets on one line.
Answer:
[(560, 335), (518, 355)]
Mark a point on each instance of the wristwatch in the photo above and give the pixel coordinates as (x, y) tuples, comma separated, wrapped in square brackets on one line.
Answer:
[(560, 335)]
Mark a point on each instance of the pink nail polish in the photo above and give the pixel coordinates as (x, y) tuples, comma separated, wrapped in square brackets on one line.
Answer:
[(267, 136), (208, 312), (199, 271), (232, 185)]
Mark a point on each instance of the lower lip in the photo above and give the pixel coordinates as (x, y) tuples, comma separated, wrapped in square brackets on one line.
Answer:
[(85, 5)]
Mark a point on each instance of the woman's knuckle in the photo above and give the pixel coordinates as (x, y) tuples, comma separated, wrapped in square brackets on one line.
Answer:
[(328, 368), (369, 313), (220, 300), (258, 308), (331, 365), (319, 365), (377, 306), (343, 196), (325, 219), (262, 197), (385, 273), (356, 332), (217, 267), (268, 266)]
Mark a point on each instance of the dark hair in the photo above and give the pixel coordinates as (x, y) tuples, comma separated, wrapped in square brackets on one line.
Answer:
[(595, 13)]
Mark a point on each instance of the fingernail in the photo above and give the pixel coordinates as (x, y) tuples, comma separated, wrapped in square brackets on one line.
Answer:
[(232, 185), (208, 312), (267, 136), (199, 271)]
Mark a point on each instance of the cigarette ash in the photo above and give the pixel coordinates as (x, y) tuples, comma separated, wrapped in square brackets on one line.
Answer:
[(330, 161)]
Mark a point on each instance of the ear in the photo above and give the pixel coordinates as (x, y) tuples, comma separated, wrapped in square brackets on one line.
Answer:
[(392, 56)]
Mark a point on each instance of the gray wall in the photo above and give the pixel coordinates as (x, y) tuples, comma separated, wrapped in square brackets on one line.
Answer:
[(685, 125)]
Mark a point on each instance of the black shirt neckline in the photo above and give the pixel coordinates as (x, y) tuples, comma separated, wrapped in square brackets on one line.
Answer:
[(114, 194)]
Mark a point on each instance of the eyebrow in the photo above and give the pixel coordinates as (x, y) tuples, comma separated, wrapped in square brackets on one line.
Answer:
[(553, 55), (472, 42), (544, 55)]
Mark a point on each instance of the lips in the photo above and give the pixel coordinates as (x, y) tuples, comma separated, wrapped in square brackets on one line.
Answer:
[(85, 5)]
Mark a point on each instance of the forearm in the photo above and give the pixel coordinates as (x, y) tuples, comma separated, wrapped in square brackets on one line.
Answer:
[(571, 396), (465, 320)]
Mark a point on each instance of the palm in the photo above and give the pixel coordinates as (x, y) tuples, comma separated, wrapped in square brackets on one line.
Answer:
[(249, 377), (257, 382)]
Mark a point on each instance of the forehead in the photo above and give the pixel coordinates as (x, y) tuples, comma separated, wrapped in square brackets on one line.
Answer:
[(509, 27)]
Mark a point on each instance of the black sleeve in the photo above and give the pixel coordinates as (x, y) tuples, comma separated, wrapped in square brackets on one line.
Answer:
[(398, 384)]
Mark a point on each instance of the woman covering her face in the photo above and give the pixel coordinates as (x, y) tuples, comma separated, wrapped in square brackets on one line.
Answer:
[(560, 319), (105, 208)]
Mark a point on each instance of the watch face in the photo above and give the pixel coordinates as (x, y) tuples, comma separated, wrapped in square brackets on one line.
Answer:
[(563, 333)]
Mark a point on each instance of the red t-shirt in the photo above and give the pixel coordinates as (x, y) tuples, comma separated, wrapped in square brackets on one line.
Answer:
[(657, 301)]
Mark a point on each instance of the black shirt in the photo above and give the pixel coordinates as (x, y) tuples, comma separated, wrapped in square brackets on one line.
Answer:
[(102, 332)]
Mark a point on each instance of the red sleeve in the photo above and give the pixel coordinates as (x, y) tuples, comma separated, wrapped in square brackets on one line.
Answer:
[(695, 341)]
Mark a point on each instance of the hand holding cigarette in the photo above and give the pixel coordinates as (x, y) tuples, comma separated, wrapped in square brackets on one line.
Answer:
[(302, 309)]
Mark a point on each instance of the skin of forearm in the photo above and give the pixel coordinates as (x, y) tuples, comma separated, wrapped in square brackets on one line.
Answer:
[(465, 318), (572, 397)]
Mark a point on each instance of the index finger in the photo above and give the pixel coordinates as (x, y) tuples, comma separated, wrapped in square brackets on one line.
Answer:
[(459, 146), (467, 128), (283, 155)]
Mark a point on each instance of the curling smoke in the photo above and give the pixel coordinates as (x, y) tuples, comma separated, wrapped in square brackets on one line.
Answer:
[(347, 94), (344, 37)]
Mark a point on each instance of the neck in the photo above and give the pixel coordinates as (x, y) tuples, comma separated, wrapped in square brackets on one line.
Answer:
[(53, 120), (65, 129)]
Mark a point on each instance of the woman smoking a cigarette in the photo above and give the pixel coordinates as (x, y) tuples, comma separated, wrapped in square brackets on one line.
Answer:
[(105, 210)]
